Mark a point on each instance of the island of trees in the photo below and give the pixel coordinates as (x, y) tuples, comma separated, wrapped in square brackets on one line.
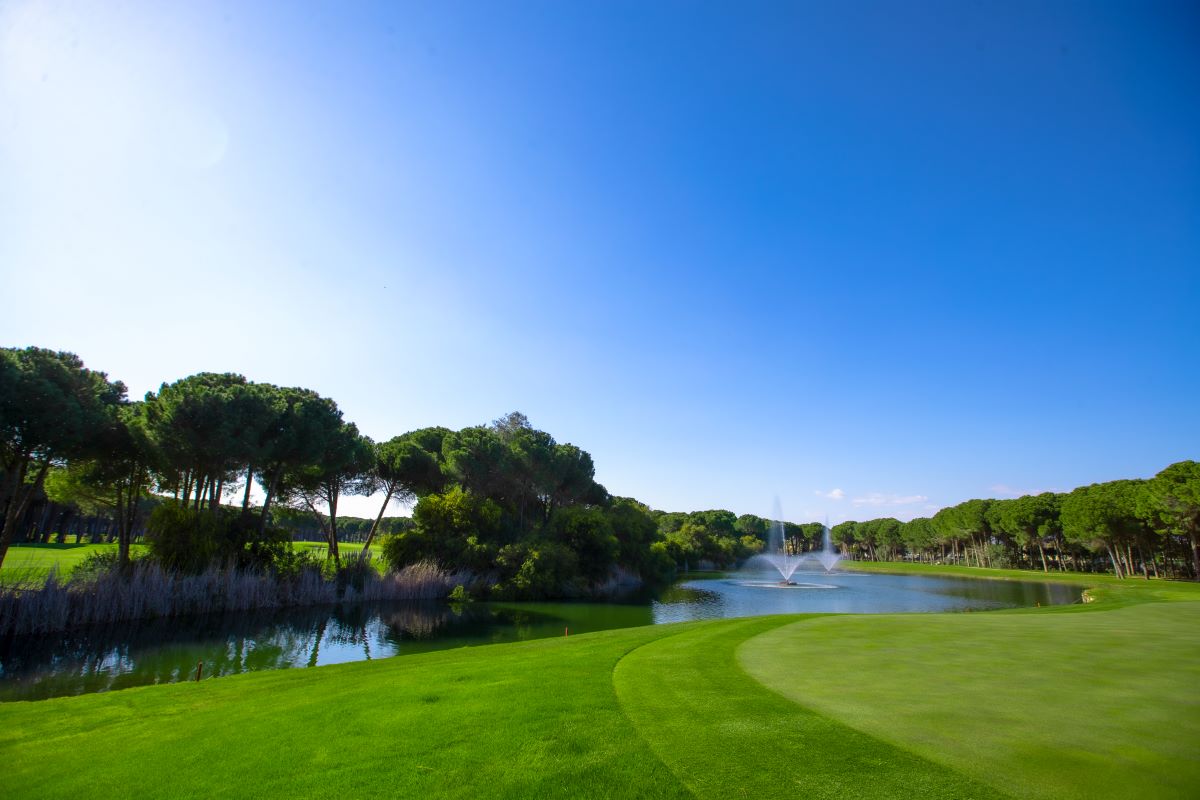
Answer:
[(502, 510)]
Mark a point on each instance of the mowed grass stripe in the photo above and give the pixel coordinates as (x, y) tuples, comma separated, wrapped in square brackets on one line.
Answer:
[(1041, 704), (726, 736), (534, 719)]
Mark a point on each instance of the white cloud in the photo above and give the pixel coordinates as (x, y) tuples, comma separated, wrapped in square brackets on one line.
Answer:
[(876, 499), (836, 494)]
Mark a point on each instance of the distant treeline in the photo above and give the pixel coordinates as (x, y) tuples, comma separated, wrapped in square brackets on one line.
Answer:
[(1147, 527), (504, 502)]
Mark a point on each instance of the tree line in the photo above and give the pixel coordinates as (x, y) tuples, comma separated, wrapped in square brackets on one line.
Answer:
[(504, 500), (1147, 527)]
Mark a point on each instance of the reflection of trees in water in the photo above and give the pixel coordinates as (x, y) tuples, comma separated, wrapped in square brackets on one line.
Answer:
[(1002, 593), (167, 650), (420, 621)]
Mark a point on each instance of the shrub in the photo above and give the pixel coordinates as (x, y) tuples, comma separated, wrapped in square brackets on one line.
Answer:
[(536, 570), (589, 535), (190, 540)]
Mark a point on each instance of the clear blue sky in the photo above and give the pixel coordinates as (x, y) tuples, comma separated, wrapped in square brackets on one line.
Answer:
[(873, 258)]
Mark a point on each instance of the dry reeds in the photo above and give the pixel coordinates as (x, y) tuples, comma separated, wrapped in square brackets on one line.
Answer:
[(146, 590)]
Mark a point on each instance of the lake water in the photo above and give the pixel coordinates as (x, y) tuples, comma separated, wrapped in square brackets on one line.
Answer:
[(166, 651)]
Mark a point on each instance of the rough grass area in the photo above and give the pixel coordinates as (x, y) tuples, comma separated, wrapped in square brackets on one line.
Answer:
[(1086, 701)]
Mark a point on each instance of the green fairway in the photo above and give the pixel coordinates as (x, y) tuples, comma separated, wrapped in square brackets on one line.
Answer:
[(34, 561), (725, 735), (1082, 701)]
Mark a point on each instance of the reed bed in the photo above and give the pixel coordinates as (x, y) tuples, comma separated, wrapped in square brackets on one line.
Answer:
[(146, 590)]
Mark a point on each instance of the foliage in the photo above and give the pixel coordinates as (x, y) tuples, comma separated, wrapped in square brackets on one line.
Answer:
[(53, 410), (68, 436), (190, 540)]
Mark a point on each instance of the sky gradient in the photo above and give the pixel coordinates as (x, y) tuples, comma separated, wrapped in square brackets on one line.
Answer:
[(871, 258)]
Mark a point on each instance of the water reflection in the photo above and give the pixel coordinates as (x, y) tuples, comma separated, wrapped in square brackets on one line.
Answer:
[(746, 594), (164, 651)]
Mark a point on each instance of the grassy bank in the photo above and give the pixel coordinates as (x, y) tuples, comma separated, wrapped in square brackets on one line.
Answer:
[(1065, 702)]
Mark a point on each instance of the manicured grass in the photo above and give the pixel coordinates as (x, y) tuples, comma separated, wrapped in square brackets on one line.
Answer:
[(528, 720), (34, 561), (1085, 701), (1053, 705), (725, 735)]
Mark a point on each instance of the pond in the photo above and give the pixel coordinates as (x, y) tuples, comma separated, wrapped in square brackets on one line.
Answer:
[(165, 651)]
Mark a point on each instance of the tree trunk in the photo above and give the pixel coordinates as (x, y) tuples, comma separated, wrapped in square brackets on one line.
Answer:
[(1042, 552), (333, 541), (1142, 559), (18, 495), (249, 483), (365, 554), (271, 487), (1195, 556), (1112, 557)]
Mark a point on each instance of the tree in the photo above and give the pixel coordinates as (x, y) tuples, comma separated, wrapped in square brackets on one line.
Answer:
[(345, 467), (1104, 515), (1029, 519), (302, 423), (1175, 494), (199, 425), (887, 536), (635, 530), (453, 528), (965, 523), (588, 533), (52, 410), (750, 525), (842, 535), (403, 469), (918, 535), (120, 476)]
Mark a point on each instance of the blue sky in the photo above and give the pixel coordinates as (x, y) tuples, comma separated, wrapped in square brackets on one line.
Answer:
[(870, 258)]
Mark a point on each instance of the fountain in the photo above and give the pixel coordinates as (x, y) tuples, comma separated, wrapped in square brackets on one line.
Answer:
[(777, 555)]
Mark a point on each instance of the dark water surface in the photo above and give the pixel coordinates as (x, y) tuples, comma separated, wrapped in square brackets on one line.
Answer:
[(164, 651)]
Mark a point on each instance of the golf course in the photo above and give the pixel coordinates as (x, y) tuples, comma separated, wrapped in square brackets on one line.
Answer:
[(1083, 701)]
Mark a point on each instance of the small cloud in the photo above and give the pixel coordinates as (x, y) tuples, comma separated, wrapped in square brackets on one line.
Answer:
[(876, 499), (836, 494)]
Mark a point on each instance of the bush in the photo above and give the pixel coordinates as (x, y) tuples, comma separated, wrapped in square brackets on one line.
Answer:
[(537, 570), (190, 540), (587, 533)]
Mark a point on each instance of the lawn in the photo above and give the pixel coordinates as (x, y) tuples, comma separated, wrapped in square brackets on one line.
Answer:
[(34, 561), (1085, 701)]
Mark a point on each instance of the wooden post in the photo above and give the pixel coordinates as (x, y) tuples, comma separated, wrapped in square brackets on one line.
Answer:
[(199, 669)]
